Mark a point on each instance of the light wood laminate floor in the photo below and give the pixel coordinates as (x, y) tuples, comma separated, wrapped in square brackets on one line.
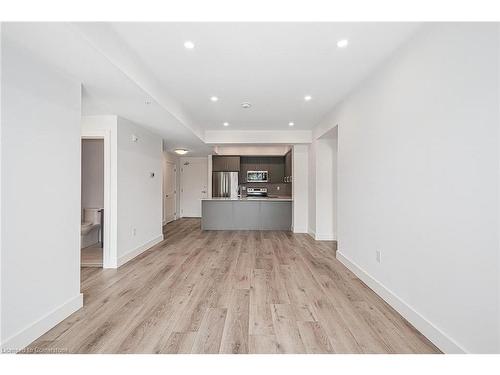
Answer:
[(91, 256), (231, 292)]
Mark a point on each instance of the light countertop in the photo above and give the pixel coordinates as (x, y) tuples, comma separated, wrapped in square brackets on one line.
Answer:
[(267, 199)]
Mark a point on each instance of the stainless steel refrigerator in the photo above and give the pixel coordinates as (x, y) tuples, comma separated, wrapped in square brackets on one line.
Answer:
[(225, 184)]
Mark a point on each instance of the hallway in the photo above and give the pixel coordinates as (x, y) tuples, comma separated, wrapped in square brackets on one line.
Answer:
[(231, 292)]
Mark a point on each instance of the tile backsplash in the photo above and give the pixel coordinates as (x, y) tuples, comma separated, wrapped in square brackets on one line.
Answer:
[(272, 189)]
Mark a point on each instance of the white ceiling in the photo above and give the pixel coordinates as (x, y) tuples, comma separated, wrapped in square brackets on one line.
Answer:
[(271, 65), (107, 86)]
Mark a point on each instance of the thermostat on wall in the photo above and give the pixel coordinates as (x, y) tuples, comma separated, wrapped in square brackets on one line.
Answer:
[(134, 138)]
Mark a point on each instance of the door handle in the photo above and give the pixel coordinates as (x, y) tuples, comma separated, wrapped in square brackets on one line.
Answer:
[(166, 195)]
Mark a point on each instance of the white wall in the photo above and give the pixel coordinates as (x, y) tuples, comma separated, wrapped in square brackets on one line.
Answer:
[(139, 194), (210, 176), (40, 126), (498, 188), (257, 137), (1, 226), (326, 187), (323, 187), (92, 173), (252, 150), (418, 180), (136, 198), (300, 186), (311, 201)]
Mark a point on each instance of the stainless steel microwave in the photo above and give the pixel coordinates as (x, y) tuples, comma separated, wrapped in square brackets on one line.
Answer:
[(257, 176)]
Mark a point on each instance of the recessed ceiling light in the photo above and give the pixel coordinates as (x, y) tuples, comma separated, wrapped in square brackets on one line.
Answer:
[(188, 44), (291, 124), (246, 105), (307, 98), (226, 124), (342, 43), (214, 98), (181, 151)]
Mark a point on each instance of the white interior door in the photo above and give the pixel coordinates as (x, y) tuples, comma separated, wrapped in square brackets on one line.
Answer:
[(169, 198), (193, 187)]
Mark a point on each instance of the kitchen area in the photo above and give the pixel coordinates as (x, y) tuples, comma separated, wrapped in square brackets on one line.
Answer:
[(249, 192)]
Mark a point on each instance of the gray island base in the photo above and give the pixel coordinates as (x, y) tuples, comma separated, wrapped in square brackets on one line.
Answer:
[(246, 214)]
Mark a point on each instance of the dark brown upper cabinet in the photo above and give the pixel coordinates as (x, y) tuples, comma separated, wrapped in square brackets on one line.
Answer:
[(275, 165), (276, 170), (225, 163)]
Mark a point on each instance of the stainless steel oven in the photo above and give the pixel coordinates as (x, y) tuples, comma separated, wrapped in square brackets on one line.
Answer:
[(256, 192), (257, 176)]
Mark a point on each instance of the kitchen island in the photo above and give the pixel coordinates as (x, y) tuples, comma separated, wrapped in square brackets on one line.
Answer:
[(246, 213)]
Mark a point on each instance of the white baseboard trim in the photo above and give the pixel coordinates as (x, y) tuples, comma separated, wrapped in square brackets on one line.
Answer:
[(322, 236), (132, 254), (26, 336), (325, 236), (429, 330)]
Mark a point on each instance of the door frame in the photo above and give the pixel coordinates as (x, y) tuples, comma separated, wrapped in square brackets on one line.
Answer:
[(105, 135), (175, 189)]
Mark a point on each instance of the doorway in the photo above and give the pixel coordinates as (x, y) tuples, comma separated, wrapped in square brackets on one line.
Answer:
[(194, 185), (169, 192), (92, 202), (106, 256)]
